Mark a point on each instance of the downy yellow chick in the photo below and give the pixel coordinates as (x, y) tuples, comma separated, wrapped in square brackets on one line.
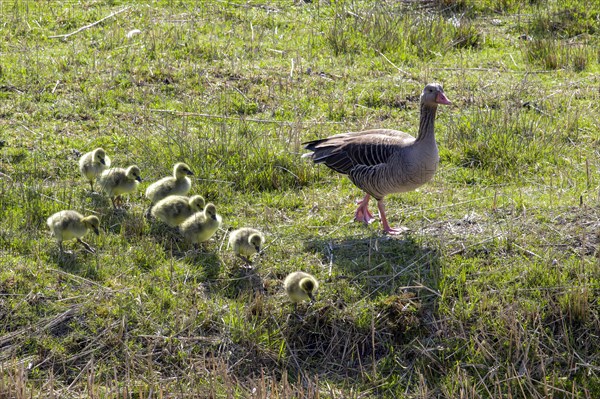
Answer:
[(92, 164), (300, 286), (68, 225), (246, 242), (175, 209), (201, 226), (178, 184), (117, 181)]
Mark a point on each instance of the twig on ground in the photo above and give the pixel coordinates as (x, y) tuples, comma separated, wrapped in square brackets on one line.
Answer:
[(394, 65), (66, 35), (78, 278)]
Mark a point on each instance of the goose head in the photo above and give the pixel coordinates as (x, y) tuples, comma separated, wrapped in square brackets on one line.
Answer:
[(433, 94), (92, 222), (256, 240), (180, 170), (100, 156), (133, 172), (197, 203), (210, 211), (308, 285)]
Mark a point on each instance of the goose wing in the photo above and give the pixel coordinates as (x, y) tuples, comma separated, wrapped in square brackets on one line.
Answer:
[(346, 151)]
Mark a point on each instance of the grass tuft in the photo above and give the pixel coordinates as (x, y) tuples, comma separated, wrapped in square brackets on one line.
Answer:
[(552, 54)]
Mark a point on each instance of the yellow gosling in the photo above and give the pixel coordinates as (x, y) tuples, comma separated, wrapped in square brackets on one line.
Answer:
[(92, 164), (245, 242), (117, 181), (175, 209), (68, 225), (201, 226), (178, 184), (300, 286)]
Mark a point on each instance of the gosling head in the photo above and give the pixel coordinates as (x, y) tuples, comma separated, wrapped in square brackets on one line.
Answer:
[(256, 240), (210, 211), (433, 94), (133, 172), (308, 285), (92, 222), (100, 155), (197, 203), (180, 170)]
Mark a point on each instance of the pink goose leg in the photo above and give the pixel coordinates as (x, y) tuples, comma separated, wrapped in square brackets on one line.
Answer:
[(362, 213), (386, 226)]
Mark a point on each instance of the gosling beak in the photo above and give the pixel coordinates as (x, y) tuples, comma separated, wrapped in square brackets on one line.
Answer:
[(103, 162), (214, 217), (257, 248), (138, 178), (190, 173), (441, 99), (96, 231), (311, 296)]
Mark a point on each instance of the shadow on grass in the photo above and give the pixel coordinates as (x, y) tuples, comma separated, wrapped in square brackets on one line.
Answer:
[(381, 292), (169, 238), (95, 199), (205, 264), (381, 265), (74, 262), (242, 281)]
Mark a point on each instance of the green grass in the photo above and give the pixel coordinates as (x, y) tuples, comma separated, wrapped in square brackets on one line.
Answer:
[(492, 293)]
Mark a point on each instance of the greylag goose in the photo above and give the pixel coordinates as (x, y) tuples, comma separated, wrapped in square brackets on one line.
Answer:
[(117, 181), (245, 242), (178, 184), (201, 226), (384, 161), (174, 209), (67, 225), (300, 286), (92, 164)]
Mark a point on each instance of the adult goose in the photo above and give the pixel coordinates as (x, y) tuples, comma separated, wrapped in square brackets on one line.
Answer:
[(384, 161)]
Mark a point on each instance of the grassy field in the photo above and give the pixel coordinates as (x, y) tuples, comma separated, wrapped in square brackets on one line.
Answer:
[(493, 293)]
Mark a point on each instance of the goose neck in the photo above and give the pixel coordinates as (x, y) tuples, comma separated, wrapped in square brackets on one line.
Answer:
[(426, 123)]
